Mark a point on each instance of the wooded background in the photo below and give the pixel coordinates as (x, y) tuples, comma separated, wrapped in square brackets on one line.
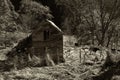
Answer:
[(93, 22)]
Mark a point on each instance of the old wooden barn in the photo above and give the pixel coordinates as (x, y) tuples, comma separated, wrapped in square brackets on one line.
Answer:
[(48, 39), (43, 47)]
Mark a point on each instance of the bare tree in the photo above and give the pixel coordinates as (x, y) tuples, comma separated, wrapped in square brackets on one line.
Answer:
[(100, 15)]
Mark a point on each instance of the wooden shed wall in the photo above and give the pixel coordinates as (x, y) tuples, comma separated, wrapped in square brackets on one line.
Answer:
[(54, 44)]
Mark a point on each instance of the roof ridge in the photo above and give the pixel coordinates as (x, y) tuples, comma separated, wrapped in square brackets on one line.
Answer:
[(52, 23)]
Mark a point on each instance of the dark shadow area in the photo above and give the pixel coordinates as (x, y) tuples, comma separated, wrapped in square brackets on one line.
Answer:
[(107, 75), (55, 10), (16, 4)]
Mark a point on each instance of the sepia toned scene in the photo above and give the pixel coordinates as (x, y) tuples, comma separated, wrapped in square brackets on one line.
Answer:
[(59, 39)]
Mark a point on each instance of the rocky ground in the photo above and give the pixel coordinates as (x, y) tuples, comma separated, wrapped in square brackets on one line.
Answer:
[(74, 68)]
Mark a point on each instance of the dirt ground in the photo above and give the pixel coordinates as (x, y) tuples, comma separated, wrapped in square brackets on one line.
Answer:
[(73, 69)]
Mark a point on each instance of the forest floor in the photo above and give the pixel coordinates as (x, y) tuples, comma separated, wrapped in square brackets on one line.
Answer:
[(72, 69)]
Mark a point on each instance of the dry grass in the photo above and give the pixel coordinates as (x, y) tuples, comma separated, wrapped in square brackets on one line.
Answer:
[(71, 70)]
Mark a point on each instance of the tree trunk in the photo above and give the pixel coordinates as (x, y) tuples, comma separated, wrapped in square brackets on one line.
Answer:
[(102, 39), (93, 37), (109, 39)]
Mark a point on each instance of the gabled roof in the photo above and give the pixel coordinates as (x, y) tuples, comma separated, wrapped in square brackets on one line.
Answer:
[(54, 25), (47, 22)]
